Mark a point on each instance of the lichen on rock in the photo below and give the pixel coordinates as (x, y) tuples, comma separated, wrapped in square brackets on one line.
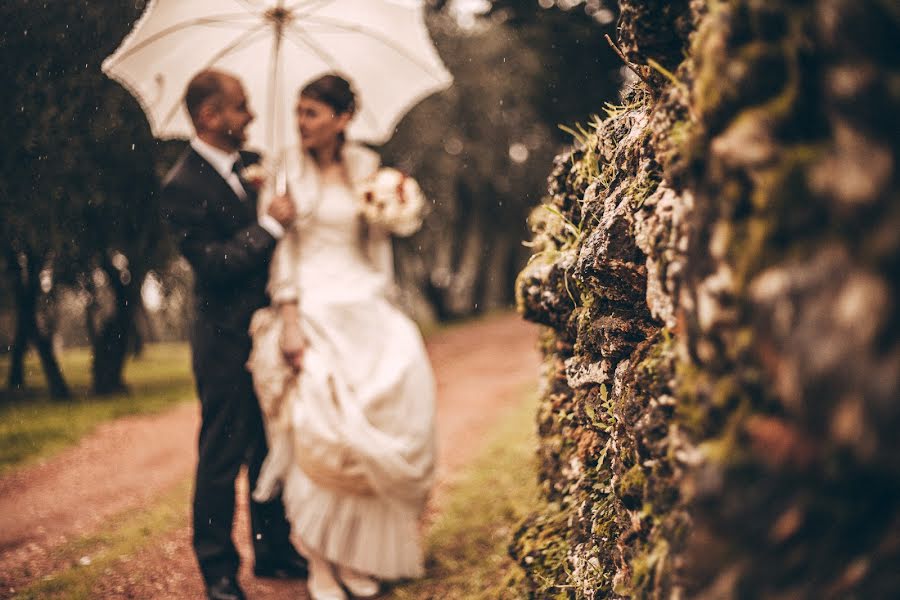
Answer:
[(716, 267)]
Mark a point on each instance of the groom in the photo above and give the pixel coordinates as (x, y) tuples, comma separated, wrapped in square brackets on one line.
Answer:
[(212, 213)]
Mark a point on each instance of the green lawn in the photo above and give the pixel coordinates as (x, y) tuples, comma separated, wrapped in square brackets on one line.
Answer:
[(33, 426)]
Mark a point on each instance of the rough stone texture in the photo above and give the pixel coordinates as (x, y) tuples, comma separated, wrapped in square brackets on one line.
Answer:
[(716, 264)]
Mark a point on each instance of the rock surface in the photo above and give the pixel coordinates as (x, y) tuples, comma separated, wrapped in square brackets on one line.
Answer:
[(716, 266)]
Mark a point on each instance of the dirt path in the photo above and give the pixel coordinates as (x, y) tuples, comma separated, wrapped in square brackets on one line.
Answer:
[(482, 369)]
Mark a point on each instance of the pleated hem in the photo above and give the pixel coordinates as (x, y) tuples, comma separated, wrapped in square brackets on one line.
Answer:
[(370, 534)]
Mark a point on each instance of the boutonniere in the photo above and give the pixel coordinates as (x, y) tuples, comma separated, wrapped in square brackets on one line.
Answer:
[(256, 175)]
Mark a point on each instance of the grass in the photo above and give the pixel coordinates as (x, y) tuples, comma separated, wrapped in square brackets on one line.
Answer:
[(33, 426), (466, 544), (92, 556)]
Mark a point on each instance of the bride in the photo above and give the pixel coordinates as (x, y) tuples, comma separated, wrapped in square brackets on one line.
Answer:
[(341, 374)]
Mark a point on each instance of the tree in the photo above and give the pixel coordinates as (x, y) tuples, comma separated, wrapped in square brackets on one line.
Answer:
[(579, 69), (84, 201), (480, 149)]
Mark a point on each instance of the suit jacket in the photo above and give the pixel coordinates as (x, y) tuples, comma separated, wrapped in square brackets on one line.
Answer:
[(219, 235)]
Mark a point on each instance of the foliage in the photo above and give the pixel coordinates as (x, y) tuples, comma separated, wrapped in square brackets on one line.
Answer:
[(477, 150), (575, 57), (83, 198)]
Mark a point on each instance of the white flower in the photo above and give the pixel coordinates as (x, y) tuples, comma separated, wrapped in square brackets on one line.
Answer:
[(394, 201), (256, 175)]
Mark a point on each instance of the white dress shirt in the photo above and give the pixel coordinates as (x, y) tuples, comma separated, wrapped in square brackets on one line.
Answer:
[(223, 162)]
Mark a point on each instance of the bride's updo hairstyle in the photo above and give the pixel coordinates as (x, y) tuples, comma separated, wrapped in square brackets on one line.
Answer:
[(333, 90)]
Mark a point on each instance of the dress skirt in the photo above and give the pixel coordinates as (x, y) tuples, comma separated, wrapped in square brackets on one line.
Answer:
[(351, 437)]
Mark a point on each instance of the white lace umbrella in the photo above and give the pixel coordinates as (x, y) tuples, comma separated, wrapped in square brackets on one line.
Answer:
[(275, 47)]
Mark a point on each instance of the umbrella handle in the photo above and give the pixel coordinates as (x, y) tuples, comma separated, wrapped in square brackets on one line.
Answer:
[(281, 175)]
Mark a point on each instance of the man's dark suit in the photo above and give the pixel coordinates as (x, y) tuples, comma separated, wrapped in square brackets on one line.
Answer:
[(218, 233)]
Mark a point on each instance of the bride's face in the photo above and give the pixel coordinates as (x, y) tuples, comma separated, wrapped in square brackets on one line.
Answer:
[(318, 124)]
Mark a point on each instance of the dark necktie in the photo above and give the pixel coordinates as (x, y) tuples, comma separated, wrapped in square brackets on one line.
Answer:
[(237, 168)]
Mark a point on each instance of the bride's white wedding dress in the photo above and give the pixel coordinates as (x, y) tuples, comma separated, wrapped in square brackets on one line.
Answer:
[(351, 440)]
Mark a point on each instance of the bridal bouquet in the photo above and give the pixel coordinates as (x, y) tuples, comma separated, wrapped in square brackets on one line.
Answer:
[(394, 201)]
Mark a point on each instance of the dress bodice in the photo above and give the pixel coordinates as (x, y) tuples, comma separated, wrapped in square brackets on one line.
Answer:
[(329, 228), (324, 257), (331, 263)]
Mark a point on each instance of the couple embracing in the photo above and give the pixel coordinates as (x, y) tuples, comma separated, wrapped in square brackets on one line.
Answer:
[(306, 372)]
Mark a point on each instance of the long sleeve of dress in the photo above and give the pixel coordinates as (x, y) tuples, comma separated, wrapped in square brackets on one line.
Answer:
[(283, 271)]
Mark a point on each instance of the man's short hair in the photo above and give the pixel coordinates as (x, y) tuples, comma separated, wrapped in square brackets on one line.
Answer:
[(205, 85)]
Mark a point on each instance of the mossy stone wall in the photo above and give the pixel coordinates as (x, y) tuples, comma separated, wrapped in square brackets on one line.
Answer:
[(716, 268)]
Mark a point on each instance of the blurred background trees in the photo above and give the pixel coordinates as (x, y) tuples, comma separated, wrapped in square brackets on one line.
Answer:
[(84, 255), (482, 149), (80, 223)]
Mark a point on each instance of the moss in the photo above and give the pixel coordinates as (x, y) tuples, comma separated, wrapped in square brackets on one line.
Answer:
[(697, 435), (540, 546), (630, 487), (646, 569)]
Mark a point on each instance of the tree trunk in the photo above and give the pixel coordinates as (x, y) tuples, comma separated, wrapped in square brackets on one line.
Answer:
[(26, 283), (110, 349), (55, 380), (462, 298), (142, 330), (498, 283), (111, 342), (16, 379)]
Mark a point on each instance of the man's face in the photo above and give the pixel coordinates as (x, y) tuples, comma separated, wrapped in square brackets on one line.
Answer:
[(231, 115)]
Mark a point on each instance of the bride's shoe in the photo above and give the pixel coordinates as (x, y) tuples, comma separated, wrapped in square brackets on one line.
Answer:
[(360, 585), (321, 582)]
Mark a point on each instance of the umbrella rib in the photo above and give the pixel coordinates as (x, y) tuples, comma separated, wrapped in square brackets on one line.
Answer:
[(328, 59), (375, 35), (308, 6), (232, 47), (249, 6), (316, 49), (213, 20)]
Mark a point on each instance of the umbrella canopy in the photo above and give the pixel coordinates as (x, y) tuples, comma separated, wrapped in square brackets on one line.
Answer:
[(275, 47)]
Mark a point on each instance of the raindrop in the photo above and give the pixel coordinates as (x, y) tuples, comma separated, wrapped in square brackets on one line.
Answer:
[(453, 146), (604, 16), (518, 152)]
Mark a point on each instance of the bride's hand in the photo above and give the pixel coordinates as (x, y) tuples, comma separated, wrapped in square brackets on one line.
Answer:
[(293, 345)]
